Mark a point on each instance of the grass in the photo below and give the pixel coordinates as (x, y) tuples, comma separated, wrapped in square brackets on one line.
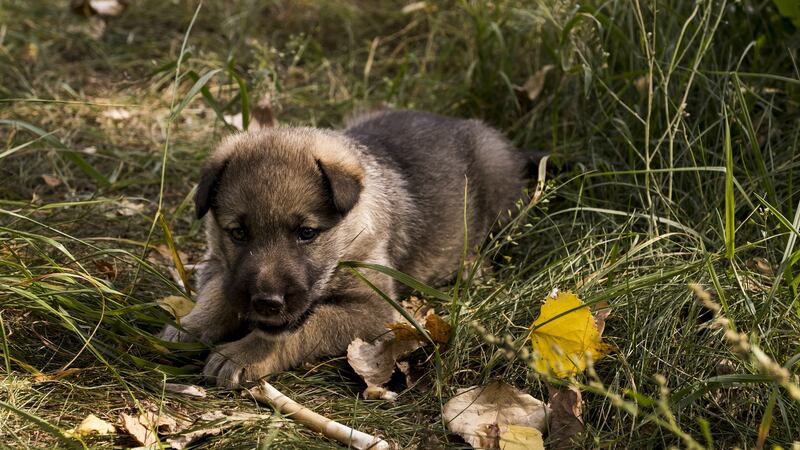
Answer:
[(676, 128)]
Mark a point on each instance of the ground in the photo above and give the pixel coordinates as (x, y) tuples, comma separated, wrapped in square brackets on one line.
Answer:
[(673, 128)]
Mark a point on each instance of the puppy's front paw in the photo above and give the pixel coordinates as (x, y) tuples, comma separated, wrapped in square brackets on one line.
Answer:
[(173, 334), (233, 364), (223, 371)]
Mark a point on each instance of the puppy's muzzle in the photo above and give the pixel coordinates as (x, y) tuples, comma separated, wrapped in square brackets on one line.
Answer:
[(268, 305)]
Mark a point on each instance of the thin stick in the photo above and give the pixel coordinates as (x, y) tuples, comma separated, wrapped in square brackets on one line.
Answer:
[(266, 393)]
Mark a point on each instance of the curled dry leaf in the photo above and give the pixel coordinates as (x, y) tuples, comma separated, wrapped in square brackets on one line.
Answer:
[(144, 427), (379, 393), (564, 335), (89, 8), (107, 269), (93, 425), (176, 305), (566, 421), (535, 83), (128, 208), (185, 389), (51, 181), (481, 415), (437, 328), (211, 424), (375, 362)]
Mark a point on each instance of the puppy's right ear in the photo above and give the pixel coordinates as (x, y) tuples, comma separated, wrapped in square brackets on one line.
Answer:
[(208, 187)]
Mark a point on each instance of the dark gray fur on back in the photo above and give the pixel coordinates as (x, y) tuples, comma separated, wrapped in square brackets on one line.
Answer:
[(434, 155)]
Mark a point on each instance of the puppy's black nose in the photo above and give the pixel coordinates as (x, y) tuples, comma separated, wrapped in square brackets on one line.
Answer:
[(268, 304)]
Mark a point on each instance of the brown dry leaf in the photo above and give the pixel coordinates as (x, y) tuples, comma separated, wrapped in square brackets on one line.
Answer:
[(759, 264), (601, 311), (163, 255), (481, 414), (375, 362), (185, 389), (437, 328), (93, 425), (535, 83), (55, 376), (379, 393), (128, 208), (418, 308), (566, 410), (107, 270), (145, 427), (176, 305), (403, 331), (521, 438), (51, 181), (212, 424)]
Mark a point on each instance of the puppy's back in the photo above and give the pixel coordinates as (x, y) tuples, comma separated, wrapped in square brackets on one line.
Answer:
[(434, 156)]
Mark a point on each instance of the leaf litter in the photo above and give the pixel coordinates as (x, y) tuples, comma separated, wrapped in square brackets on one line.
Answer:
[(375, 362), (481, 415)]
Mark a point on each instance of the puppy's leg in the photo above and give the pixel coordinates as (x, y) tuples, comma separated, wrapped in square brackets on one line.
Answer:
[(328, 331), (210, 320)]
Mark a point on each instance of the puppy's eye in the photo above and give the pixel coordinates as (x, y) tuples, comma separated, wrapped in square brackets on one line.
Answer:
[(238, 234), (305, 234)]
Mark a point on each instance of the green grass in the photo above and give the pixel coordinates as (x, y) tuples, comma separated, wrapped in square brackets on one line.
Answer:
[(676, 129)]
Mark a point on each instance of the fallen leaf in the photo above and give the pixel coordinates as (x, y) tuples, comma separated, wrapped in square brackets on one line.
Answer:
[(404, 331), (564, 335), (521, 438), (481, 414), (106, 269), (88, 8), (411, 7), (566, 409), (535, 83), (379, 393), (375, 362), (756, 263), (185, 389), (93, 425), (145, 427), (437, 328), (211, 424), (51, 180), (234, 120), (417, 307), (601, 311), (176, 305), (117, 114), (55, 376), (128, 208)]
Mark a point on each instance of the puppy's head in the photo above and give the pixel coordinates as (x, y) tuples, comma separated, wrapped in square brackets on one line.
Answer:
[(276, 197)]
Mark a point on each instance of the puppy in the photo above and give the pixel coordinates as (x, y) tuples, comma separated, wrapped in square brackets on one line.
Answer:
[(284, 205)]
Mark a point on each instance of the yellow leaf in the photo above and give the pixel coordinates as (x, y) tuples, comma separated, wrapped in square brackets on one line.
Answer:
[(564, 335), (521, 438), (176, 305)]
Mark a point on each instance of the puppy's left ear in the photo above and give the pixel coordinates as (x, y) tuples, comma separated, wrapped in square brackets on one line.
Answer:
[(209, 185), (344, 186)]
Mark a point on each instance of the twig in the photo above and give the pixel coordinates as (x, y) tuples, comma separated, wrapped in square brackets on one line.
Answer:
[(266, 393)]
